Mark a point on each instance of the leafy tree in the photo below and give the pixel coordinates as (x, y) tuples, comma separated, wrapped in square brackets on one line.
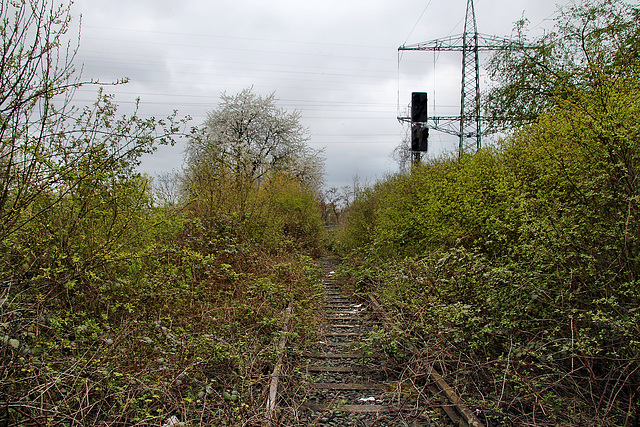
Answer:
[(71, 198), (98, 283), (594, 43), (246, 141), (31, 75), (51, 151), (527, 254)]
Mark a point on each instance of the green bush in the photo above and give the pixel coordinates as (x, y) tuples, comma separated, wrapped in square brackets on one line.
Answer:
[(524, 256)]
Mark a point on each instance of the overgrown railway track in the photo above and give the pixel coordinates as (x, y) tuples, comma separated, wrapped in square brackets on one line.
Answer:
[(341, 381)]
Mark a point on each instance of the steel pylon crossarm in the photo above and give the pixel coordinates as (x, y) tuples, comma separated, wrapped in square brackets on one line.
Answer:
[(467, 126)]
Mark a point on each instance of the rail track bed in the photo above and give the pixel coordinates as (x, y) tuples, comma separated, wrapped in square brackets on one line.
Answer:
[(340, 381)]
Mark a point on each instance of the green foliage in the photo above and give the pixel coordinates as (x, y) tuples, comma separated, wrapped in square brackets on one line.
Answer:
[(594, 42), (246, 142), (436, 206), (295, 209), (251, 164), (519, 265), (358, 231), (114, 310), (197, 316)]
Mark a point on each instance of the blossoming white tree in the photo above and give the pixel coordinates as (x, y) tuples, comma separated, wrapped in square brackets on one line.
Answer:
[(244, 143)]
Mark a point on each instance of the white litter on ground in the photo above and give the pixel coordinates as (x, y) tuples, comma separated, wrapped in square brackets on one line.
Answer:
[(173, 421)]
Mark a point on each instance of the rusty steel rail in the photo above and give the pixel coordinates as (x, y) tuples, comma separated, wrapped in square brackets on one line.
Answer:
[(275, 376), (458, 412)]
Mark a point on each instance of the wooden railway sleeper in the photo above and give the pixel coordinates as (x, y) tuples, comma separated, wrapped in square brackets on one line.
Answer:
[(462, 415)]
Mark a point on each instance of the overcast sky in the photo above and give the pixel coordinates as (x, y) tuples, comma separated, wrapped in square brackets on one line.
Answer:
[(335, 61)]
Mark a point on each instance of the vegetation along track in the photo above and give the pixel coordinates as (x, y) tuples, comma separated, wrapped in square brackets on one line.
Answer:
[(340, 381)]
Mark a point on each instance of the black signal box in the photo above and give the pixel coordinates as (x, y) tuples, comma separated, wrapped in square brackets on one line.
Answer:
[(419, 105), (419, 138)]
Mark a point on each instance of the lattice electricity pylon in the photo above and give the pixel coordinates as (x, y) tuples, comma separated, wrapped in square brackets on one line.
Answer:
[(467, 126)]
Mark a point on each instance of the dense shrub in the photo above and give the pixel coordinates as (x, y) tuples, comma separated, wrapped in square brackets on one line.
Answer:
[(114, 311), (524, 259)]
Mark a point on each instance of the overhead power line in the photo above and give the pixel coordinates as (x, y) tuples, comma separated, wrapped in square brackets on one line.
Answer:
[(466, 126)]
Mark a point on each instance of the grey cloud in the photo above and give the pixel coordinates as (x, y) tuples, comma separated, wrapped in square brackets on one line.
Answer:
[(334, 61)]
